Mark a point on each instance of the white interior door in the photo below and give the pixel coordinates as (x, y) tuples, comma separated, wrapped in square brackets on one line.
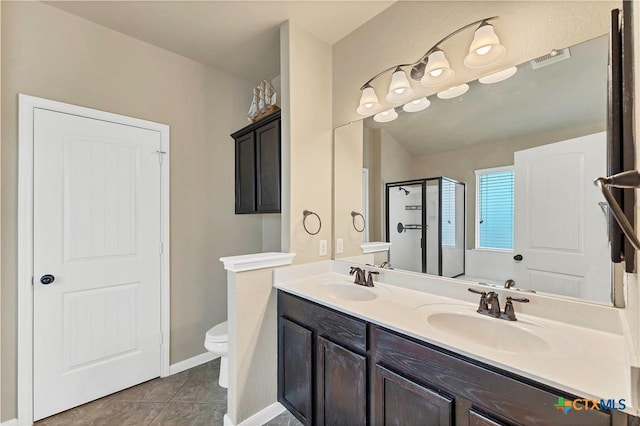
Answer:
[(97, 232), (560, 230)]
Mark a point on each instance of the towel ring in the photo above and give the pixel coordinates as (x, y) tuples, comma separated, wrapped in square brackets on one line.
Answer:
[(353, 220), (307, 213)]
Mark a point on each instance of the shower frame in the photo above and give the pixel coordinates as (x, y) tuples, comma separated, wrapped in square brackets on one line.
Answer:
[(423, 215)]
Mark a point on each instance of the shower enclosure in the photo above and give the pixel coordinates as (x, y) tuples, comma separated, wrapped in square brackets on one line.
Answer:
[(425, 224)]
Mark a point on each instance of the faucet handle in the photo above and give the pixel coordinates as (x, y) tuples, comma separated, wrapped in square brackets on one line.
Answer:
[(510, 313), (369, 282), (482, 306)]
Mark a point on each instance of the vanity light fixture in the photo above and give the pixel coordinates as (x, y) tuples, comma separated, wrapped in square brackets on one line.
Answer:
[(453, 92), (400, 89), (386, 116), (368, 101), (433, 69), (485, 48), (417, 105), (437, 70), (499, 76)]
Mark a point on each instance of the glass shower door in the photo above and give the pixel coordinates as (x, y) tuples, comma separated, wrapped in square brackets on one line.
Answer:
[(404, 204)]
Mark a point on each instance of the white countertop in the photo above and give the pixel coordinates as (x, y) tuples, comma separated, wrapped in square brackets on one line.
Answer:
[(589, 362)]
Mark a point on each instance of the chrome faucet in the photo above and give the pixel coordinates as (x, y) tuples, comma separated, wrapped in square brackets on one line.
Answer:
[(360, 275), (386, 265)]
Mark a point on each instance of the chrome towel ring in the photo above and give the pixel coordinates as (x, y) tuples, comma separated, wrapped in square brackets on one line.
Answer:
[(306, 214), (355, 214)]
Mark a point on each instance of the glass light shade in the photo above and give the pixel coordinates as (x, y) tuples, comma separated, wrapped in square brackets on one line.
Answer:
[(453, 92), (498, 76), (485, 48), (437, 71), (400, 89), (417, 105), (368, 102), (386, 116)]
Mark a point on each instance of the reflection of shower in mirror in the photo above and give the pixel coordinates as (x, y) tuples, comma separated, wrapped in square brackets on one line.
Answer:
[(406, 191)]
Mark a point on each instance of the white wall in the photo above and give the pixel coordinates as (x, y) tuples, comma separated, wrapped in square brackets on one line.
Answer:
[(491, 267)]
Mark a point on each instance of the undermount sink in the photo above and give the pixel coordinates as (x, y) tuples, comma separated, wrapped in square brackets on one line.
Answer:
[(494, 333), (348, 291)]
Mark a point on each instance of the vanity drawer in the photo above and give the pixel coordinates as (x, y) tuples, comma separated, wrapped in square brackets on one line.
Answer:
[(504, 395), (336, 326)]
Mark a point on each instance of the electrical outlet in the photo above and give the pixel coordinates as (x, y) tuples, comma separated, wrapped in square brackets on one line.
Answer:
[(323, 247), (339, 246)]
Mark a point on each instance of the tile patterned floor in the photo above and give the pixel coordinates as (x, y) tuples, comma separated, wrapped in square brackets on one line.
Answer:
[(190, 398)]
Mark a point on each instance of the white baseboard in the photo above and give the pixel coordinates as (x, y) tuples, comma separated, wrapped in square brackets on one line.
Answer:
[(189, 363), (12, 422), (259, 418)]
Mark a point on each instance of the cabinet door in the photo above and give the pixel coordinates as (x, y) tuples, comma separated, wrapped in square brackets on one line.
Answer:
[(479, 419), (268, 167), (295, 380), (341, 386), (400, 401), (245, 174)]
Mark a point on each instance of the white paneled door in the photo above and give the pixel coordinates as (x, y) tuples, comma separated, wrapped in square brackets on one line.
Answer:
[(97, 246), (560, 227)]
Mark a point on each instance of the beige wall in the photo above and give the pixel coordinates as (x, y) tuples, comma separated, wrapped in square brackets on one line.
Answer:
[(307, 136), (348, 146), (51, 54), (371, 161), (253, 332), (461, 163), (403, 33)]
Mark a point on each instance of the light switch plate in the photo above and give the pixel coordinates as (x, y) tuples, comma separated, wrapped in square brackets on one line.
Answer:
[(339, 246), (323, 247)]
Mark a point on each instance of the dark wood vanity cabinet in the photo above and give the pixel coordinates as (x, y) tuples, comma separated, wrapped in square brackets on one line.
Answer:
[(257, 166), (322, 363), (334, 369), (461, 391)]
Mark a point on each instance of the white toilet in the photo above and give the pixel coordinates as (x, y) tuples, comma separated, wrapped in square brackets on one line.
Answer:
[(217, 342)]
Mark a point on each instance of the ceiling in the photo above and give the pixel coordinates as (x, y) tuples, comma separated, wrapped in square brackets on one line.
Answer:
[(238, 37), (566, 95)]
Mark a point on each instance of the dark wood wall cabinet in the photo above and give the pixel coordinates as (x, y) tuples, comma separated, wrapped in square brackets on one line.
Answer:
[(334, 369), (257, 152)]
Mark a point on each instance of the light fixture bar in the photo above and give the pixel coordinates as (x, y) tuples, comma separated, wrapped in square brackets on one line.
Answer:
[(430, 51)]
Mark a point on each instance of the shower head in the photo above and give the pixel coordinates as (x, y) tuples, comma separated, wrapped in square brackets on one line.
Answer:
[(406, 191)]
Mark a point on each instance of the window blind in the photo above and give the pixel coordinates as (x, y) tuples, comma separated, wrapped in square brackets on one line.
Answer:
[(448, 213), (495, 210)]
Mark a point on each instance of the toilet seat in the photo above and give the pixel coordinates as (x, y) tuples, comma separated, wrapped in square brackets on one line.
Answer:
[(218, 333)]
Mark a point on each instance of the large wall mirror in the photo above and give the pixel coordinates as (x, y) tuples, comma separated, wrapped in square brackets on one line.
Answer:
[(490, 186)]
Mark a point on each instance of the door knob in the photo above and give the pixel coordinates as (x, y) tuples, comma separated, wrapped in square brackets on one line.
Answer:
[(47, 279), (518, 257)]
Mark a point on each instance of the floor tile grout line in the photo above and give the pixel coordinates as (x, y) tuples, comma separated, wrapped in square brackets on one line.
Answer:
[(166, 404)]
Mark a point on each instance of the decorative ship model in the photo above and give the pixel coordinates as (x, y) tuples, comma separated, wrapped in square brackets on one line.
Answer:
[(263, 102)]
